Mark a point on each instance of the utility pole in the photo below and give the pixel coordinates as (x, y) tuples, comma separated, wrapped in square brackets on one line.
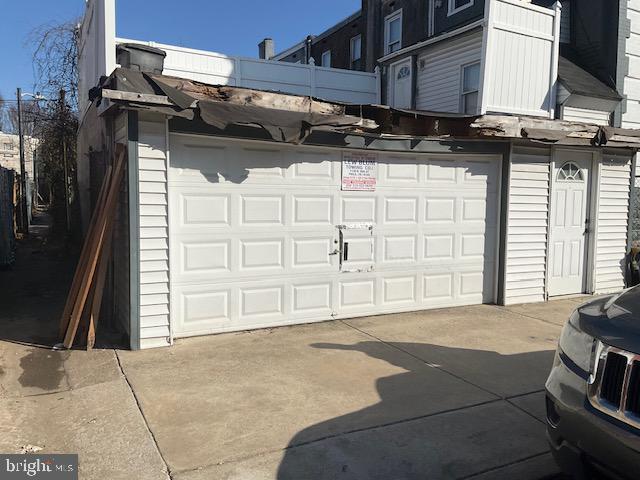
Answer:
[(24, 214), (64, 159)]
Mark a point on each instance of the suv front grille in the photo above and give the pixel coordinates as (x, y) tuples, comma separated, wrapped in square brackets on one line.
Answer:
[(615, 387), (633, 391), (613, 378)]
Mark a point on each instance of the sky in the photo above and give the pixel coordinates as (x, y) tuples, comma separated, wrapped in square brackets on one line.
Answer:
[(232, 27)]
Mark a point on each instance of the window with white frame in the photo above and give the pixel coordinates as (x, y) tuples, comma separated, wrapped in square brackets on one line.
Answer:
[(457, 5), (393, 32), (356, 52), (470, 88), (325, 61), (8, 146)]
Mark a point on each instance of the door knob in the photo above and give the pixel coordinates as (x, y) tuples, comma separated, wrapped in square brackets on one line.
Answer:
[(335, 252)]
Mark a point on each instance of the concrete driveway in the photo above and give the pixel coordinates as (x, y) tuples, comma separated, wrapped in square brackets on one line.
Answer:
[(446, 394), (453, 394)]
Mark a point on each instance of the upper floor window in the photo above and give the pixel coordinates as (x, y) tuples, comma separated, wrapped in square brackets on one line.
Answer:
[(325, 61), (356, 52), (8, 146), (456, 5), (393, 32), (470, 88)]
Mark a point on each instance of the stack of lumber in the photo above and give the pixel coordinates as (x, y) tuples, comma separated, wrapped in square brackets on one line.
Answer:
[(85, 296)]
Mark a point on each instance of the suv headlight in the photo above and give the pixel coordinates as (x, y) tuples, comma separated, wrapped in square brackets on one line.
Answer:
[(577, 345)]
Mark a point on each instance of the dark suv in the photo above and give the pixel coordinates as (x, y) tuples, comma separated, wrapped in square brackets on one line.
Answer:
[(593, 391)]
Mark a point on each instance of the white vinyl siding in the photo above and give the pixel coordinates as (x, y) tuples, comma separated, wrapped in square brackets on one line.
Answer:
[(613, 213), (527, 226), (439, 72), (154, 238), (583, 115), (631, 114), (521, 59)]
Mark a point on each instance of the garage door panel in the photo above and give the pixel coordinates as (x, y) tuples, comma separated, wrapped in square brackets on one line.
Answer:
[(264, 302), (313, 253), (358, 209), (440, 210), (357, 294), (400, 170), (399, 249), (401, 210), (316, 298), (313, 209), (263, 210), (400, 290), (200, 209), (259, 233)]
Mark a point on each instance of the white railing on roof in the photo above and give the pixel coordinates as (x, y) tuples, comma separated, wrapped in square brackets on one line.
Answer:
[(219, 69), (520, 52)]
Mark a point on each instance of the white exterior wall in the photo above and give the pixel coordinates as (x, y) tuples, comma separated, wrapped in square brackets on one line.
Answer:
[(154, 238), (583, 115), (96, 47), (520, 58), (611, 230), (219, 69), (528, 219), (527, 226), (440, 72)]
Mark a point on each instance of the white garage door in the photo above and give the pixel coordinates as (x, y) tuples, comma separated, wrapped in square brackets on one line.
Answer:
[(263, 235)]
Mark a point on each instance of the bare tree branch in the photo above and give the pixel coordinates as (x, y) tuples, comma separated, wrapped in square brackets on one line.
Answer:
[(55, 59)]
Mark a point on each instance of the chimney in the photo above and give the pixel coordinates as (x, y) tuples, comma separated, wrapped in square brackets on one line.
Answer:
[(266, 49)]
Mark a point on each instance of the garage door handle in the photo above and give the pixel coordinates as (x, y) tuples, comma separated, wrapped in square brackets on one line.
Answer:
[(345, 249)]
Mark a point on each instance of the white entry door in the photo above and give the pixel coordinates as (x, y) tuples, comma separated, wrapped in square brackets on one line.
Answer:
[(401, 85), (570, 224)]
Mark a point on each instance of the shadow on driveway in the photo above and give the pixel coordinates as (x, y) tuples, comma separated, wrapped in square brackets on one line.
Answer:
[(452, 444)]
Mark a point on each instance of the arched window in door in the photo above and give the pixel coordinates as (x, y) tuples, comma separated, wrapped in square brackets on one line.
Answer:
[(570, 172), (404, 72)]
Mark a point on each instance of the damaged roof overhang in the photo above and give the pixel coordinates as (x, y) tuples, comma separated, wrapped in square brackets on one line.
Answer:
[(291, 118)]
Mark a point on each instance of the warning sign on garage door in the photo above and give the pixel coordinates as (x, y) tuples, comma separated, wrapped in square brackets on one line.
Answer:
[(359, 171)]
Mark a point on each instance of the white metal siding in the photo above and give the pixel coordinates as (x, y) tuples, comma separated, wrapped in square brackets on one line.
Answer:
[(440, 72), (527, 226), (154, 238), (253, 226), (583, 115), (520, 60), (631, 115), (613, 212)]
